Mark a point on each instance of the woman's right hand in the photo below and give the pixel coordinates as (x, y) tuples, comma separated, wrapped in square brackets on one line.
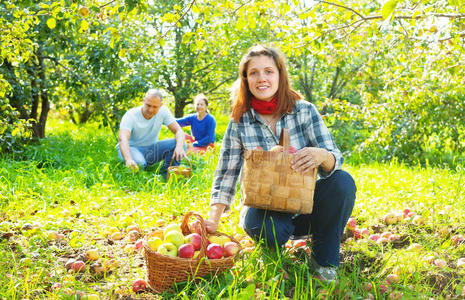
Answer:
[(211, 226)]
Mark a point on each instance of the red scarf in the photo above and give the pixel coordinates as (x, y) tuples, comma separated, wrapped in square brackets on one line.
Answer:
[(265, 107)]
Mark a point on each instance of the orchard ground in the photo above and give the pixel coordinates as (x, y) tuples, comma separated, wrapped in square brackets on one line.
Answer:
[(63, 197)]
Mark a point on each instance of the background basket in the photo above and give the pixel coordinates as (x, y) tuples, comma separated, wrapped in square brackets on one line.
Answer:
[(180, 170), (269, 182), (163, 271)]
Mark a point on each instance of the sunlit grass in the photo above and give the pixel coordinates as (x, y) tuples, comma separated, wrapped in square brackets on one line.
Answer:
[(73, 182)]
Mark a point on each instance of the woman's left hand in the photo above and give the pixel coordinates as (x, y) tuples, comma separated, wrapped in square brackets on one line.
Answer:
[(308, 158)]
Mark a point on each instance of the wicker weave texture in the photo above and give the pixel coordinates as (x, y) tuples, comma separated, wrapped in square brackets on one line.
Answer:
[(176, 170), (164, 271), (269, 182)]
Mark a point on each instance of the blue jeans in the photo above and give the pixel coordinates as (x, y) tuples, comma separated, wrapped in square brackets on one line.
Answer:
[(149, 155), (333, 200)]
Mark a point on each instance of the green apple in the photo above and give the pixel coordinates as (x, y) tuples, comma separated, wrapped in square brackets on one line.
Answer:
[(168, 249), (154, 242), (174, 237), (171, 227)]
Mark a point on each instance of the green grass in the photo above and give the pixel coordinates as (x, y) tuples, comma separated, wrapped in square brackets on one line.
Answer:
[(73, 183)]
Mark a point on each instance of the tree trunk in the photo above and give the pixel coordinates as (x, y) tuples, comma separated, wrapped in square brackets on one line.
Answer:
[(39, 127), (179, 104)]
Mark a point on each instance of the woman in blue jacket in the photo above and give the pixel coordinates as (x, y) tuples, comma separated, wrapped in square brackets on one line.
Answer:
[(202, 125)]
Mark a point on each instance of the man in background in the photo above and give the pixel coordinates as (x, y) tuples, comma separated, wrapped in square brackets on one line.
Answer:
[(138, 135)]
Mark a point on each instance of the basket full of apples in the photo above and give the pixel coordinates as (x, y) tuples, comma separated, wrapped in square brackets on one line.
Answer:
[(269, 182), (179, 253)]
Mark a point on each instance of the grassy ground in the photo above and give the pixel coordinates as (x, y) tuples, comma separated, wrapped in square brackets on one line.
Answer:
[(73, 184)]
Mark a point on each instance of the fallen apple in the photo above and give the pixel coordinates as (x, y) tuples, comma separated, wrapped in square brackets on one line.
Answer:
[(390, 218), (392, 278), (461, 262), (92, 255), (139, 245), (374, 237), (133, 235), (79, 266), (195, 239), (129, 249), (214, 251), (69, 264), (440, 263), (133, 227), (116, 236), (168, 249), (174, 237), (230, 249), (457, 239), (139, 285), (54, 236), (186, 251), (351, 224)]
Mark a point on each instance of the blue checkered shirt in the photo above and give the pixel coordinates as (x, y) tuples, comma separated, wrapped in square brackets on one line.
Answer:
[(306, 129)]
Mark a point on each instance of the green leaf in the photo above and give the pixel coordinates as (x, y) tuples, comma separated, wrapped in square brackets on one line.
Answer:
[(388, 8), (51, 23), (84, 25)]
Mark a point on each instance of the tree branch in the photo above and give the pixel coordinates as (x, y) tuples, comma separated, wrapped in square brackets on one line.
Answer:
[(179, 19)]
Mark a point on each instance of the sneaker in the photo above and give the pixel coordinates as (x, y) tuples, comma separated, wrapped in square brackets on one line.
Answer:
[(327, 274)]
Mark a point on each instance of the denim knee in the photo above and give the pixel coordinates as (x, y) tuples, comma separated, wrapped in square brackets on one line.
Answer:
[(273, 227)]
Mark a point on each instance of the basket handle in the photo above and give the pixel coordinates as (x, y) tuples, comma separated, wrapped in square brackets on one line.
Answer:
[(284, 140), (203, 229), (188, 160)]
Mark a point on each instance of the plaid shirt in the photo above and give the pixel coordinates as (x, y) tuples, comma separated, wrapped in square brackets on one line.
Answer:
[(306, 129)]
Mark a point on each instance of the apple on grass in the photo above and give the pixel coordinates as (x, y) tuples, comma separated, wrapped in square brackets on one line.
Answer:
[(139, 285), (168, 249), (79, 266), (351, 224), (174, 237), (154, 242), (186, 251), (230, 249), (214, 251), (139, 244), (92, 255), (195, 239)]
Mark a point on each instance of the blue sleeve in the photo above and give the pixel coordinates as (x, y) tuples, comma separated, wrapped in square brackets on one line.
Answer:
[(186, 121), (210, 136)]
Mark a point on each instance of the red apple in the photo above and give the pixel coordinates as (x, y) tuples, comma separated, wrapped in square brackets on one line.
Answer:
[(186, 251), (214, 251), (457, 239), (195, 239), (79, 266), (292, 150), (258, 148), (406, 211), (139, 285), (461, 262), (374, 237), (139, 244), (230, 249), (357, 234), (392, 278), (299, 243), (351, 224), (69, 264)]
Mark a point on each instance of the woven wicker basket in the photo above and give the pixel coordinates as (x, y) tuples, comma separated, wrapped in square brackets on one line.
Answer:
[(180, 170), (269, 182), (164, 271)]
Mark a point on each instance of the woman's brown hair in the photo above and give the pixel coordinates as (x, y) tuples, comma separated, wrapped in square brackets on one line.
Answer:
[(285, 94)]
